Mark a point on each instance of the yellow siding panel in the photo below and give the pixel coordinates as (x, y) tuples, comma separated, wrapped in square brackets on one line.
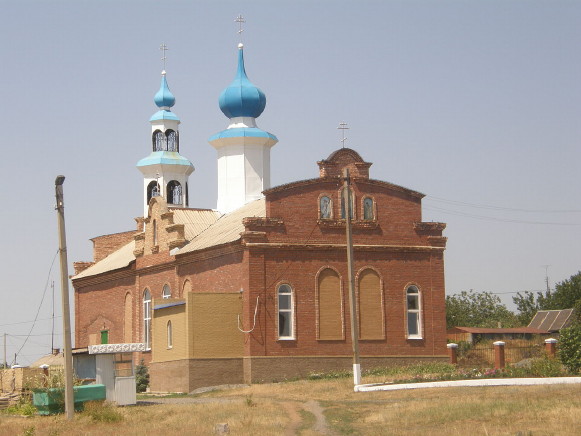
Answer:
[(159, 346), (214, 320)]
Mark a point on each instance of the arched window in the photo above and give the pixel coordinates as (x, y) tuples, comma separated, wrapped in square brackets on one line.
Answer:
[(285, 312), (368, 212), (147, 319), (186, 288), (352, 208), (187, 196), (325, 208), (128, 321), (166, 293), (172, 140), (154, 230), (152, 190), (159, 141), (174, 192), (371, 325), (330, 306), (169, 335), (414, 313)]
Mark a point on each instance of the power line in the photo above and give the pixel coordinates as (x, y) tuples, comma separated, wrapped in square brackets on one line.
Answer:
[(28, 322), (489, 218), (40, 305), (491, 207)]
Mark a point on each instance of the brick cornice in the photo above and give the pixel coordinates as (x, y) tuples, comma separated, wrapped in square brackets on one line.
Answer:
[(105, 277), (209, 253), (357, 247)]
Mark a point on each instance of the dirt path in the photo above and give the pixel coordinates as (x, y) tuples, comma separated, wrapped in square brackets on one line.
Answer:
[(292, 409), (321, 424)]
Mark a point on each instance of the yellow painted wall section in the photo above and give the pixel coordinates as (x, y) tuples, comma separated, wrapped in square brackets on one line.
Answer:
[(177, 316), (214, 320)]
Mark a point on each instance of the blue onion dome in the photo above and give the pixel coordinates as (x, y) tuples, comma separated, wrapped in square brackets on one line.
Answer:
[(242, 98), (164, 99)]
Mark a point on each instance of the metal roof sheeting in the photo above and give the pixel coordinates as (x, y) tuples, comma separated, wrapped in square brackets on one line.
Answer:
[(118, 259), (203, 228), (552, 320), (227, 228), (195, 221)]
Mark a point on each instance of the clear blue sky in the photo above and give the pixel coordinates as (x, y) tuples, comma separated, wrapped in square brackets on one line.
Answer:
[(477, 103)]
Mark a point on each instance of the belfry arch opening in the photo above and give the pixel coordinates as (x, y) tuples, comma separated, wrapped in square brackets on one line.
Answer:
[(152, 190), (174, 192)]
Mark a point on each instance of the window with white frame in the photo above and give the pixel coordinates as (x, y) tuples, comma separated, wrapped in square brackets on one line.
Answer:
[(166, 293), (414, 313), (169, 335), (285, 312), (147, 319)]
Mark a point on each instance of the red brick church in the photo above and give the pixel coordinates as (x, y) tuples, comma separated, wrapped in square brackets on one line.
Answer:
[(256, 290)]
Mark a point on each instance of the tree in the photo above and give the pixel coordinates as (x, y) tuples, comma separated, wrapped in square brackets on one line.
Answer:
[(141, 377), (477, 309), (567, 295)]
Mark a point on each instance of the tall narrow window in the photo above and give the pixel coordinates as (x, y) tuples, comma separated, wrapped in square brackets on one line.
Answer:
[(325, 207), (414, 313), (352, 208), (174, 192), (166, 293), (152, 190), (147, 319), (128, 322), (330, 306), (154, 230), (368, 209), (169, 335), (371, 325), (285, 312), (159, 141), (172, 140)]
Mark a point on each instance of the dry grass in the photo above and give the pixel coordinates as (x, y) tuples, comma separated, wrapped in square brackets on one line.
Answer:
[(537, 410)]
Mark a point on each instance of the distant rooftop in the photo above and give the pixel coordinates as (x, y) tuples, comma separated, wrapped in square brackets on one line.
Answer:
[(552, 320)]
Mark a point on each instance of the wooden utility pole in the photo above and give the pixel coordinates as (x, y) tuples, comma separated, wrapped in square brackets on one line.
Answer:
[(67, 352), (351, 278)]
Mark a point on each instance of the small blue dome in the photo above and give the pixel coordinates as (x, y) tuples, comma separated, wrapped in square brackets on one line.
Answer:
[(242, 98), (164, 98)]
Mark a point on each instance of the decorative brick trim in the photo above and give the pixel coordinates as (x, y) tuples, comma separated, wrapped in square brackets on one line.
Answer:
[(426, 226)]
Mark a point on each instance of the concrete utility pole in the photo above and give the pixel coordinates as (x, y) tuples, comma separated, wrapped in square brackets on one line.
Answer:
[(67, 353), (351, 278), (5, 363)]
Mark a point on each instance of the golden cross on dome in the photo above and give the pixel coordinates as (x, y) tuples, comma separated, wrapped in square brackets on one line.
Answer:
[(240, 20), (343, 127), (163, 48)]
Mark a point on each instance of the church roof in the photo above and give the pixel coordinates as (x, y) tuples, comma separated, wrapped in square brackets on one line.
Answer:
[(203, 228), (227, 228), (116, 260)]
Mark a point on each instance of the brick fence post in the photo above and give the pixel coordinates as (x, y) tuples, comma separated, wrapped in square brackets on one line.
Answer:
[(499, 362), (453, 353), (551, 347)]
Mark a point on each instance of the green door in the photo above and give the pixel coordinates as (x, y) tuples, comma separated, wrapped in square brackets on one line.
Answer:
[(104, 336)]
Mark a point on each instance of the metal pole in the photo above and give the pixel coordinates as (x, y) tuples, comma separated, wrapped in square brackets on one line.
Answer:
[(351, 278), (67, 353), (5, 362)]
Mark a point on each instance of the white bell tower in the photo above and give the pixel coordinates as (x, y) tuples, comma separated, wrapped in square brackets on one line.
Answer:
[(165, 171)]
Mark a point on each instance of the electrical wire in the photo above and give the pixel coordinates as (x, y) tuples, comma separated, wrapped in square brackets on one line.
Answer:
[(39, 306), (491, 207), (28, 322), (489, 218)]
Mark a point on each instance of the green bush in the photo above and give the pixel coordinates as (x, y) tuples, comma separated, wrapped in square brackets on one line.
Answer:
[(141, 377), (546, 367), (22, 408), (570, 348)]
